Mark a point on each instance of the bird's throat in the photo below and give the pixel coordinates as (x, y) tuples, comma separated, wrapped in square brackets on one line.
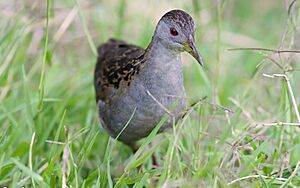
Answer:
[(163, 64), (162, 58)]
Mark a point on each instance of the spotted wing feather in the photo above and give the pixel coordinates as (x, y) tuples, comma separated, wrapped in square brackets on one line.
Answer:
[(117, 62)]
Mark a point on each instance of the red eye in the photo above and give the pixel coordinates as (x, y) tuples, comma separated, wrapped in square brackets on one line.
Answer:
[(173, 31)]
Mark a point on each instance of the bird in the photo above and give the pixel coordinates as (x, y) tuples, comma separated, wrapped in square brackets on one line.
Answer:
[(136, 87)]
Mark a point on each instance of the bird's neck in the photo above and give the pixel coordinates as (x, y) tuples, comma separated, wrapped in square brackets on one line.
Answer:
[(162, 64), (162, 57)]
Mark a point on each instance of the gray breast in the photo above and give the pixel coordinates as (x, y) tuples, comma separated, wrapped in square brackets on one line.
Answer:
[(149, 95)]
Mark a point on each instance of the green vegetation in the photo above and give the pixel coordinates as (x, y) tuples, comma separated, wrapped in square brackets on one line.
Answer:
[(243, 133)]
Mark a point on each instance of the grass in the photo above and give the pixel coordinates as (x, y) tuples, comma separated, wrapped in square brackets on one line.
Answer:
[(245, 133)]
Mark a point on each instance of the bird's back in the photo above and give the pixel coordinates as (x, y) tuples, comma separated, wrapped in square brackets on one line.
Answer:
[(117, 62)]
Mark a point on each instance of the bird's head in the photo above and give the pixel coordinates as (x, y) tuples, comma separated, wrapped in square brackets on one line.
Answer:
[(176, 31)]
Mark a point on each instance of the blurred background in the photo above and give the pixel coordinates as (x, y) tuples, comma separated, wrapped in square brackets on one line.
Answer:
[(49, 131)]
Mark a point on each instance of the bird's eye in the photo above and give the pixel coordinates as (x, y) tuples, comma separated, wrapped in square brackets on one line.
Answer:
[(173, 31)]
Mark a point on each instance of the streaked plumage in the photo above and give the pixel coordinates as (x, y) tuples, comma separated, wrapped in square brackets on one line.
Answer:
[(117, 62)]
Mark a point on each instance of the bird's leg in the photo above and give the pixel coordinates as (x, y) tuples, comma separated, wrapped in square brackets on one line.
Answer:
[(133, 146), (153, 157), (154, 161)]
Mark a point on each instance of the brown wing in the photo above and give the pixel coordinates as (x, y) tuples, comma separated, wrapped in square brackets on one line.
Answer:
[(117, 62)]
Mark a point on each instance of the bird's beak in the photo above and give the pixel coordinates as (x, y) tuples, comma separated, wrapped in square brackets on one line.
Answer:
[(190, 47)]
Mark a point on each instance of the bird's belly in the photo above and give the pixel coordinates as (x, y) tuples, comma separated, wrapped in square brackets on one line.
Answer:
[(143, 108)]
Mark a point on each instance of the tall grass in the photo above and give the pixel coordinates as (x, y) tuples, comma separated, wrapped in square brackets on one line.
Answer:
[(243, 133)]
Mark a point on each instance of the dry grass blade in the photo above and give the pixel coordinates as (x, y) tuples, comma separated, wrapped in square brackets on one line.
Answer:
[(246, 113), (202, 100), (65, 160), (159, 103), (30, 157), (8, 59), (64, 26), (255, 177), (259, 125), (264, 49), (290, 91), (291, 176)]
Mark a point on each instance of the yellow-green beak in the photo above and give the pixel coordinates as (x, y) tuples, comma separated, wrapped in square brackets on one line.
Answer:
[(190, 47)]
